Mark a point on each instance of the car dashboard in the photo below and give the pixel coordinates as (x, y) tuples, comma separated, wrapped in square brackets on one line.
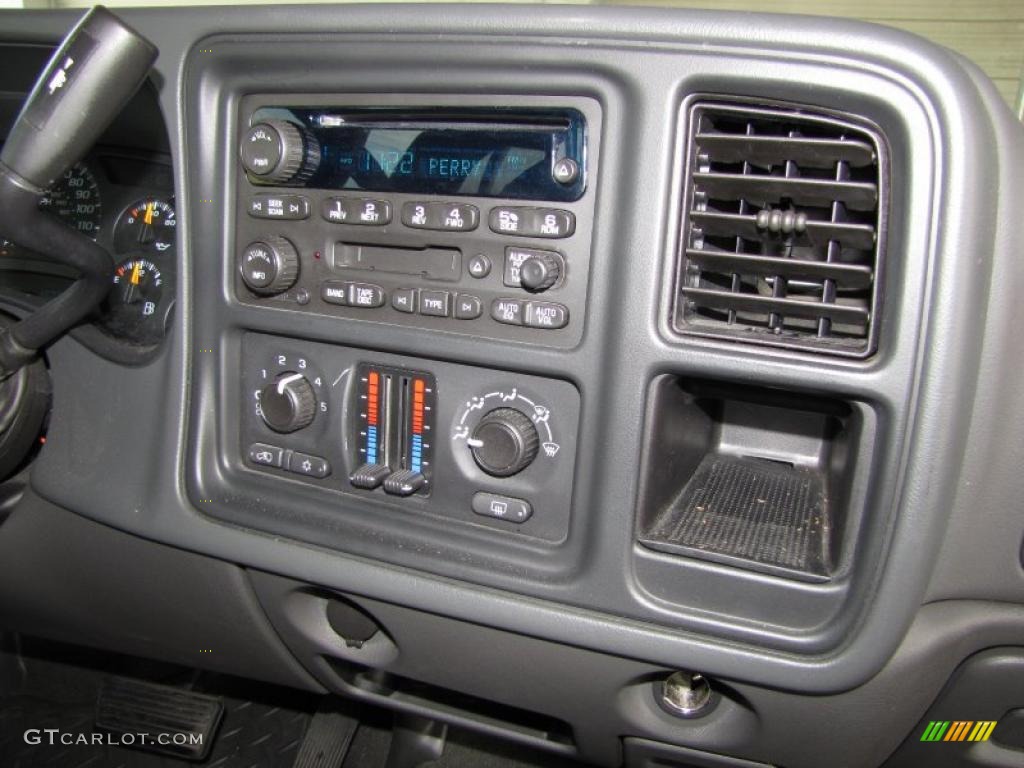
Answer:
[(569, 347)]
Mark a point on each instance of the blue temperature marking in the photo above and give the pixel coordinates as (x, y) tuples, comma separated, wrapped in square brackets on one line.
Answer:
[(371, 445), (417, 452)]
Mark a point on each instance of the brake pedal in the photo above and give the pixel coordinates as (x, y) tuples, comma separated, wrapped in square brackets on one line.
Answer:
[(158, 718)]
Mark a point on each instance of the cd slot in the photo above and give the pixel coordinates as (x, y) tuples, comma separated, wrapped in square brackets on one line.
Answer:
[(443, 264)]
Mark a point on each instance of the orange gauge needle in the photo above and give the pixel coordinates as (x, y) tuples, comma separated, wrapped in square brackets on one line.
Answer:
[(149, 214), (136, 270)]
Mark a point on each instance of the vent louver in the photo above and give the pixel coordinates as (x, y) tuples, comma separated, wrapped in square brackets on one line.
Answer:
[(782, 237)]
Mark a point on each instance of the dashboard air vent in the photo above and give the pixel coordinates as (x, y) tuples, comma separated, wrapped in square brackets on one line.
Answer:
[(782, 233)]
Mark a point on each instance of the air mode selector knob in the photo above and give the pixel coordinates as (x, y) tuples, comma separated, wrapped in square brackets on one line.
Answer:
[(539, 272), (269, 266), (288, 403), (504, 442), (279, 152)]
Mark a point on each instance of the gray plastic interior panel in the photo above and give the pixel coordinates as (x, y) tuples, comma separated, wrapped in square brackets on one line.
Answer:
[(68, 578), (427, 664), (987, 688), (638, 65)]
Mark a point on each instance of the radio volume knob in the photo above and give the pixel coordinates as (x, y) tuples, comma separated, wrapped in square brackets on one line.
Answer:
[(288, 403), (269, 266), (504, 442), (279, 152)]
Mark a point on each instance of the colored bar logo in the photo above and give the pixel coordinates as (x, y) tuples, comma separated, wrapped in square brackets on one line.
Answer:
[(958, 730)]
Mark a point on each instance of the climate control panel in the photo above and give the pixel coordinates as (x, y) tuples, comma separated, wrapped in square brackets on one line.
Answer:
[(399, 435)]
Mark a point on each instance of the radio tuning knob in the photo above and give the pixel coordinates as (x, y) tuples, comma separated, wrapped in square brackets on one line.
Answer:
[(288, 403), (279, 152), (504, 442), (539, 272), (269, 266)]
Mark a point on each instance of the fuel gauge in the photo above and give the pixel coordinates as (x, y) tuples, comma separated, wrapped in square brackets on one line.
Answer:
[(137, 307), (149, 225), (137, 283)]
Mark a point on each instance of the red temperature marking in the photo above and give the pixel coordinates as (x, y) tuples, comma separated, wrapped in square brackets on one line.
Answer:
[(373, 396), (417, 406)]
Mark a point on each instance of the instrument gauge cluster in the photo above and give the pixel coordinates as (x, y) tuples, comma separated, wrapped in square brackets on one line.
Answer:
[(124, 201)]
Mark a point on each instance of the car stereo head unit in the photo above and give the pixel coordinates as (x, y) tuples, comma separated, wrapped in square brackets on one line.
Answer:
[(500, 152), (470, 216)]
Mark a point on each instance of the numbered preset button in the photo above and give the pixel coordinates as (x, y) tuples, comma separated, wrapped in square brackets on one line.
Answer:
[(526, 221), (356, 210), (446, 217)]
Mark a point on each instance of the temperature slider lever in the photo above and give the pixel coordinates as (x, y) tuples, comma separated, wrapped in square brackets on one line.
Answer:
[(395, 426)]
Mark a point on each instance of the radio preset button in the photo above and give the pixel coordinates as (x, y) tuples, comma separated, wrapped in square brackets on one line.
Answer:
[(404, 299), (373, 213), (507, 311), (532, 222), (545, 314), (467, 307), (434, 303), (506, 221), (287, 207), (447, 217), (356, 210), (337, 209)]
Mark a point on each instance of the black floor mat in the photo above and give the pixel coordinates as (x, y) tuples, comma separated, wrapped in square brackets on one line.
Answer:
[(263, 725)]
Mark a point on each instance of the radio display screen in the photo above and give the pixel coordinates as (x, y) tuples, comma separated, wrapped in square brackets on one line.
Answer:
[(496, 152)]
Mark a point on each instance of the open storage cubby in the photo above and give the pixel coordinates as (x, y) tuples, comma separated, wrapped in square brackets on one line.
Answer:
[(750, 477)]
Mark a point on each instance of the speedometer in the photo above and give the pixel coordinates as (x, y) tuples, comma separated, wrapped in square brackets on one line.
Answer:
[(75, 198)]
